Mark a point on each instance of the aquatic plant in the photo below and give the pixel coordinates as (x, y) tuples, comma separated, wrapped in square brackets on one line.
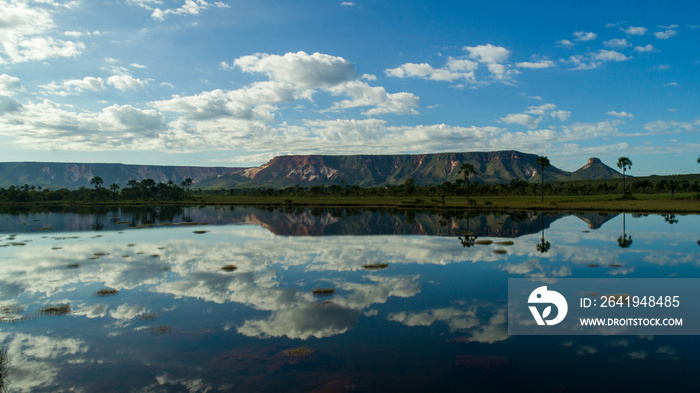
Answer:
[(162, 329), (73, 266), (484, 242), (200, 232), (506, 243), (229, 268), (300, 352), (375, 266), (106, 292), (500, 252), (323, 291), (62, 309)]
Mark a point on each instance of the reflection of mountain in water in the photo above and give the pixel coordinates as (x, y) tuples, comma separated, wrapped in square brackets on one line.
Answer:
[(294, 222)]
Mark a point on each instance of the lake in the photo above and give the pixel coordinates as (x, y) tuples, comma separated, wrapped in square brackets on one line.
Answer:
[(246, 299)]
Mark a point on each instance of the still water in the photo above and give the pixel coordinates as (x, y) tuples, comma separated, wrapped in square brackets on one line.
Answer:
[(223, 299)]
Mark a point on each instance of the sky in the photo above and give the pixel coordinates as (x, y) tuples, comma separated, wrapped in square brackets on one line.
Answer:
[(235, 83)]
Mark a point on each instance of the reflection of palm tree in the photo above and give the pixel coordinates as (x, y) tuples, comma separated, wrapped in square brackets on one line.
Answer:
[(670, 218), (543, 245), (625, 240), (467, 238)]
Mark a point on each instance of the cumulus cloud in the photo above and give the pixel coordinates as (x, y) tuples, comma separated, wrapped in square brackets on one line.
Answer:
[(493, 57), (299, 69), (666, 34), (532, 117), (536, 65), (621, 115), (26, 34), (75, 86), (644, 49), (188, 8), (9, 85), (634, 30), (585, 36), (617, 43), (565, 43), (126, 82), (454, 69), (608, 55)]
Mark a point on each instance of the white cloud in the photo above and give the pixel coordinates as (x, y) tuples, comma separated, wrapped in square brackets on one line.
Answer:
[(488, 53), (126, 82), (347, 4), (585, 36), (634, 30), (9, 85), (188, 8), (363, 95), (644, 49), (608, 55), (75, 86), (455, 69), (536, 65), (621, 115), (532, 117), (617, 43), (26, 34), (299, 69), (565, 43), (522, 119), (664, 35), (137, 65)]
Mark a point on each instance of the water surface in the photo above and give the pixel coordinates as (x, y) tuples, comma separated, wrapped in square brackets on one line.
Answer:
[(419, 300)]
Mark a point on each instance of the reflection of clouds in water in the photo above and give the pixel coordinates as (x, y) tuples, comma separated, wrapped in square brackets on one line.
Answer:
[(306, 318), (165, 383), (29, 368), (303, 322), (533, 268), (469, 320)]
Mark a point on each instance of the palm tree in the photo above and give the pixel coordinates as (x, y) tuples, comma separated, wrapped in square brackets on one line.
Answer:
[(543, 162), (466, 169), (624, 163), (97, 181), (625, 240), (115, 190)]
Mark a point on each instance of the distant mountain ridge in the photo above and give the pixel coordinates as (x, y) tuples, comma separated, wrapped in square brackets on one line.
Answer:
[(308, 170)]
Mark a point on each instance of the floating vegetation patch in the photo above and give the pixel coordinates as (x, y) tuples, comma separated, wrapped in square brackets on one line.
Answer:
[(123, 222), (465, 233), (131, 245), (100, 254), (73, 266), (506, 243), (166, 268), (483, 242), (62, 309), (93, 258), (323, 291), (147, 316), (126, 256), (300, 352), (106, 292), (586, 231), (200, 232), (162, 329), (614, 265), (155, 256), (44, 228), (189, 223), (500, 252), (56, 248), (229, 268), (375, 266), (18, 244), (161, 248), (593, 265)]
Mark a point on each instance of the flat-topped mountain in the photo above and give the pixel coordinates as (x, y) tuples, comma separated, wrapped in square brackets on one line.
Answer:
[(308, 170)]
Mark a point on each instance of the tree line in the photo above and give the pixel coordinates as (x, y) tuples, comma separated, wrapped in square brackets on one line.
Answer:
[(149, 190)]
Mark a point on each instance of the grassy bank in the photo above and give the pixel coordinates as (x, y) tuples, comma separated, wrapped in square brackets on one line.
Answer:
[(651, 203), (659, 203)]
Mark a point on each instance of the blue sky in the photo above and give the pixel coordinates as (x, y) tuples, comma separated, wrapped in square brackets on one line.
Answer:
[(234, 83)]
